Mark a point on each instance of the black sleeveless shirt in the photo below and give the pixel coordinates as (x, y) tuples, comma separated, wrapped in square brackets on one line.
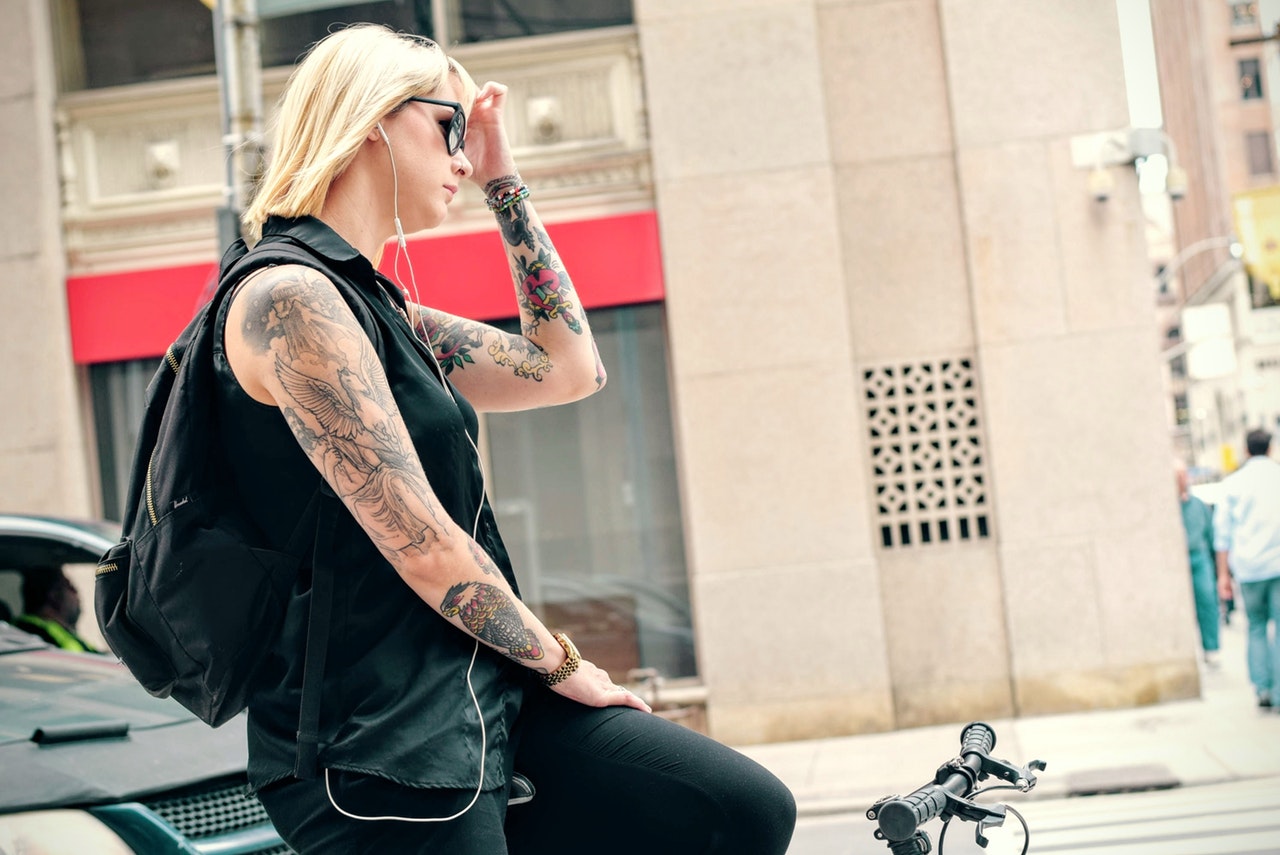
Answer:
[(395, 701)]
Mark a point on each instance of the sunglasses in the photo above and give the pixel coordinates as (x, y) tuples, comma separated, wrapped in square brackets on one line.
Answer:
[(454, 127)]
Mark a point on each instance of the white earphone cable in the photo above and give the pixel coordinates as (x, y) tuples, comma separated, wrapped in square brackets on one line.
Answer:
[(475, 524), (479, 787)]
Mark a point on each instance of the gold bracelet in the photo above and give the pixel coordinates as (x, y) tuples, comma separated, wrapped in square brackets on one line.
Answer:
[(572, 661)]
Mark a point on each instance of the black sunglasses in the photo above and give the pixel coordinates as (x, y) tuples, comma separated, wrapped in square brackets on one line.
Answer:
[(455, 127)]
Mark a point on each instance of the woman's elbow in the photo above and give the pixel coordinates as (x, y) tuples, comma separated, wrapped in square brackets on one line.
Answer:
[(587, 383)]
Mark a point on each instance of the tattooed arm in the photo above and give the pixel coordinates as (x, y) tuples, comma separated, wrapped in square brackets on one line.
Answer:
[(293, 343), (554, 360)]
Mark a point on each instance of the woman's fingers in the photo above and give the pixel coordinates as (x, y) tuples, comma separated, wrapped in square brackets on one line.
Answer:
[(592, 686), (627, 698), (489, 100)]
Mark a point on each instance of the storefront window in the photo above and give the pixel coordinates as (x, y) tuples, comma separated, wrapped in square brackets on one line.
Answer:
[(588, 504), (485, 20), (119, 396), (284, 38), (135, 41)]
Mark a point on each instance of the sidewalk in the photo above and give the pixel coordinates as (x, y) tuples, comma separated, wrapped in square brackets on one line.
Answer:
[(1222, 736)]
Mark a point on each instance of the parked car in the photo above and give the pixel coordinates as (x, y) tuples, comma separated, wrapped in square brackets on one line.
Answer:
[(91, 763)]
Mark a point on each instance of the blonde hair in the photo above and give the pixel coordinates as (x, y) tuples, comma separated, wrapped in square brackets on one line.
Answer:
[(343, 87)]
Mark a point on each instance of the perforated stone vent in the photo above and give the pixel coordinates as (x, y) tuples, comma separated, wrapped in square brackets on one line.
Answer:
[(926, 443)]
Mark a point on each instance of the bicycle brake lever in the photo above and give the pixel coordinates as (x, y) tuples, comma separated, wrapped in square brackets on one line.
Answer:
[(979, 837), (1023, 778), (983, 815)]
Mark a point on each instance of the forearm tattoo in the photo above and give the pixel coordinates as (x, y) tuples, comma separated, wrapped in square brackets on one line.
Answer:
[(455, 342), (600, 373), (452, 343), (516, 228), (489, 614), (544, 290), (335, 398), (525, 359), (482, 558), (545, 293)]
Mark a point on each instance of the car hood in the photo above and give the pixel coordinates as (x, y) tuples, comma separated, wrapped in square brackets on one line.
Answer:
[(77, 729)]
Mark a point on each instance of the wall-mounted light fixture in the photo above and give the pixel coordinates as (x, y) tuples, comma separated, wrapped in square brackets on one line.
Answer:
[(1125, 146)]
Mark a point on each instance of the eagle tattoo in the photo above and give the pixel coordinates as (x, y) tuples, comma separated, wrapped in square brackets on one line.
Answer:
[(489, 614)]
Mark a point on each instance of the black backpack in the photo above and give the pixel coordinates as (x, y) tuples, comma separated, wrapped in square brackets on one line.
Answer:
[(190, 599)]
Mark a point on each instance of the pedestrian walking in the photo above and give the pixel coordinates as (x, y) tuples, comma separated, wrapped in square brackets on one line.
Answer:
[(1197, 523), (1247, 542)]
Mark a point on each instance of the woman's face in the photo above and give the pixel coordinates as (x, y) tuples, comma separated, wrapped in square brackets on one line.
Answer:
[(428, 176)]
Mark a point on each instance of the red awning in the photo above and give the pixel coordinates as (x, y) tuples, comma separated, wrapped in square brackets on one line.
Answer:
[(614, 261)]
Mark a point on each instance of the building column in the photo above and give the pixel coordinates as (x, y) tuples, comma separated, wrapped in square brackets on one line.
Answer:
[(41, 445), (784, 583)]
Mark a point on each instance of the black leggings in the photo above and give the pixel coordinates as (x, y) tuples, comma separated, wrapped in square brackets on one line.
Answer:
[(610, 780)]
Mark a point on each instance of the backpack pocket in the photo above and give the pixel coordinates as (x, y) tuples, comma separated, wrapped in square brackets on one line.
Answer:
[(112, 596), (195, 609)]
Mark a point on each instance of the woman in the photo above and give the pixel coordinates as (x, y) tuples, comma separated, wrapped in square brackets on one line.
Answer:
[(439, 682)]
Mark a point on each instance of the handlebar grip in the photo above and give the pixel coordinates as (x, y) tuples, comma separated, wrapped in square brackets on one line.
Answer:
[(900, 818), (979, 737)]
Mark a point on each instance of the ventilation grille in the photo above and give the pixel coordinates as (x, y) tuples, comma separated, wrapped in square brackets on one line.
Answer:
[(928, 462), (220, 807)]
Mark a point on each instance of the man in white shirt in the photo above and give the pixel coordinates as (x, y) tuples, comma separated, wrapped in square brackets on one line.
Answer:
[(1246, 529)]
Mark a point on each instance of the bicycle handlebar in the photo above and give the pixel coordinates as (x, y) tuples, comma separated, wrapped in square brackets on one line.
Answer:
[(900, 817)]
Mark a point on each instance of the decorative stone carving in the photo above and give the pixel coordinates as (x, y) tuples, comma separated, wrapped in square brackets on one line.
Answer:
[(143, 167)]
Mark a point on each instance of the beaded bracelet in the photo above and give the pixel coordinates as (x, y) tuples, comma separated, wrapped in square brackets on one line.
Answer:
[(505, 198)]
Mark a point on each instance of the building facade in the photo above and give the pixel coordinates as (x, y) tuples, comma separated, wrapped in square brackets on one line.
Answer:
[(884, 440), (1219, 69)]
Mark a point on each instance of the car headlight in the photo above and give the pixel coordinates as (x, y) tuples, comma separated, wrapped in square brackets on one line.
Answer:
[(57, 832)]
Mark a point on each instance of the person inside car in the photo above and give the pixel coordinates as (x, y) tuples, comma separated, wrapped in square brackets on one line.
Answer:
[(51, 609)]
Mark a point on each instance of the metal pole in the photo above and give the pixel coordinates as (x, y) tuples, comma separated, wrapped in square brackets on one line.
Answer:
[(239, 67), (441, 25)]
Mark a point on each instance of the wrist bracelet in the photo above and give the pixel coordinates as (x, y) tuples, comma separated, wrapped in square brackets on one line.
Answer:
[(505, 198), (572, 660)]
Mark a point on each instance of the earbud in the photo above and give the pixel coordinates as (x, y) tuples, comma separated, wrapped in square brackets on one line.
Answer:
[(396, 201)]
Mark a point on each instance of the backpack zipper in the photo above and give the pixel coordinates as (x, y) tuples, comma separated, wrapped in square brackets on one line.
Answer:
[(151, 500), (172, 360)]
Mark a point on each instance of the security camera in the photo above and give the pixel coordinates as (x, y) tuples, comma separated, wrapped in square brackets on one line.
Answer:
[(1101, 184)]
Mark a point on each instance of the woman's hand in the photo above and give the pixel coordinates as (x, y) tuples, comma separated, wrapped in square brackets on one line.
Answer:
[(487, 147), (592, 686)]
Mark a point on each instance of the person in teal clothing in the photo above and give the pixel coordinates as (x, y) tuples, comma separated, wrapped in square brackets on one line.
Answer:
[(1197, 521)]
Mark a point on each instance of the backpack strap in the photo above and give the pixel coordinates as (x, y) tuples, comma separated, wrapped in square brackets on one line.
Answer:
[(237, 264), (306, 759)]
